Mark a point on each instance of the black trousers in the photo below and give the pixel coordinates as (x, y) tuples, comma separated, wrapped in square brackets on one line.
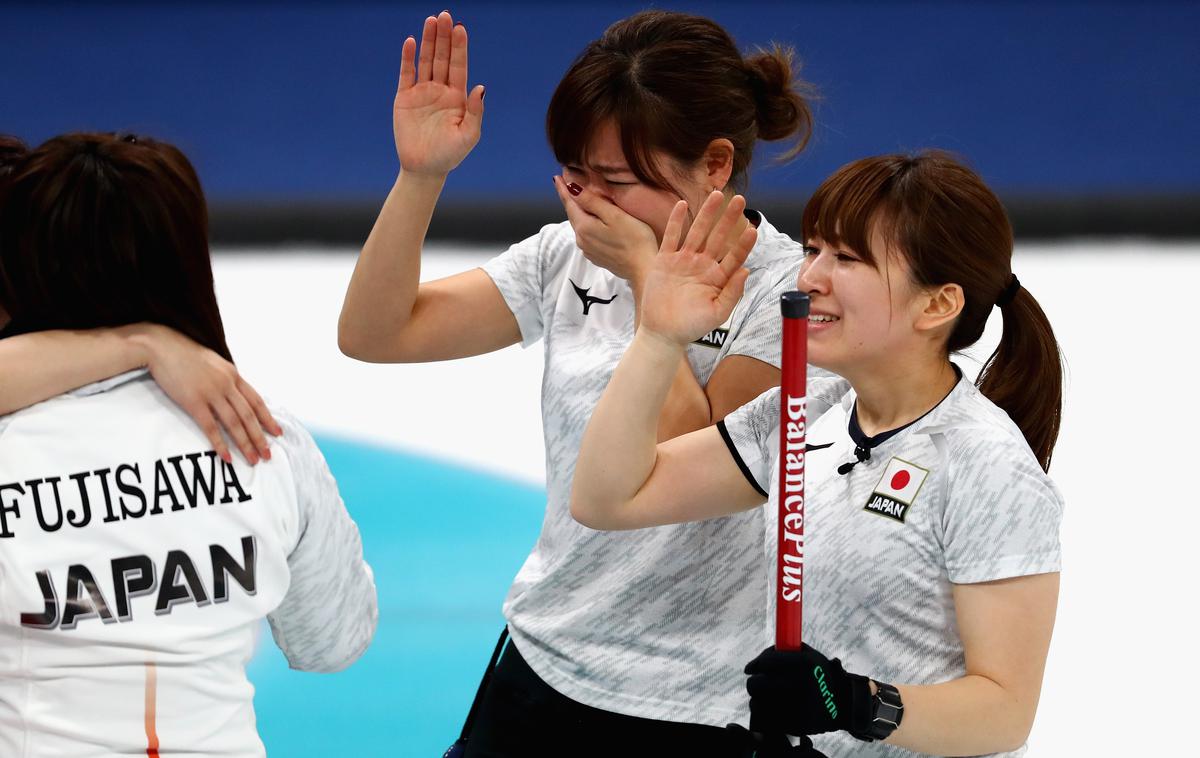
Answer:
[(520, 716)]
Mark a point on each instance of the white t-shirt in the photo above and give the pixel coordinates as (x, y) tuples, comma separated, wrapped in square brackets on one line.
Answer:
[(136, 568), (957, 497), (656, 623)]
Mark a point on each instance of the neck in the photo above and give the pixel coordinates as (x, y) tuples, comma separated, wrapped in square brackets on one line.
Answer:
[(901, 392)]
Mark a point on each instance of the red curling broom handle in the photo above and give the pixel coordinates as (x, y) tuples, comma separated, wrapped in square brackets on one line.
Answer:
[(793, 406)]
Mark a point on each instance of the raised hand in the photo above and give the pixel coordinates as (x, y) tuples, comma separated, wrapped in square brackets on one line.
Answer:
[(608, 236), (434, 120), (692, 287)]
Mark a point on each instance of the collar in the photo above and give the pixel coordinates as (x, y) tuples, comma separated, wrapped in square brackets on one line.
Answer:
[(926, 419)]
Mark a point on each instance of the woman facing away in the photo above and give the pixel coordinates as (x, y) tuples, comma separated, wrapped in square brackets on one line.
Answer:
[(620, 642), (931, 528), (137, 562)]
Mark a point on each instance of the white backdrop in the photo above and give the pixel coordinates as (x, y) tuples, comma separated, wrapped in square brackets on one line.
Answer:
[(1122, 670)]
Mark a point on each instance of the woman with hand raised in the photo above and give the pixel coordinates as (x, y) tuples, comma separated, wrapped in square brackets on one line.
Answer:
[(620, 642), (931, 553)]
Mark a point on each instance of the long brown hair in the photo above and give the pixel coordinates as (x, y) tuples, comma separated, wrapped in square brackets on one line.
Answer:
[(674, 82), (953, 229), (105, 230)]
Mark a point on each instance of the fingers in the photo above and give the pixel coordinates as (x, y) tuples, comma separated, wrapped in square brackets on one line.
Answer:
[(441, 52), (734, 259), (207, 422), (261, 412), (575, 214), (428, 41), (253, 429), (731, 293), (730, 221), (595, 204), (458, 58), (408, 63), (705, 219), (473, 118), (674, 229), (235, 428)]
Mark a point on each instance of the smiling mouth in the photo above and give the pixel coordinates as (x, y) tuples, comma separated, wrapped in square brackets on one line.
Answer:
[(821, 318)]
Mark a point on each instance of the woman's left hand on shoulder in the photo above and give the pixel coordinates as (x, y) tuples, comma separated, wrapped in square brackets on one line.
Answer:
[(608, 236)]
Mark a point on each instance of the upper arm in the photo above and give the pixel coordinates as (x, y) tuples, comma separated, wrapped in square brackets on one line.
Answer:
[(737, 380), (454, 317), (694, 478), (1005, 627)]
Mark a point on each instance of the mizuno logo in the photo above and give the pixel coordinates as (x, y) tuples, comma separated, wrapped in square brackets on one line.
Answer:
[(587, 300), (810, 448)]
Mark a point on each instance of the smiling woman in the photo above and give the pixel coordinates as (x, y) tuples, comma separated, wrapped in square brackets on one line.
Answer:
[(661, 107), (932, 552)]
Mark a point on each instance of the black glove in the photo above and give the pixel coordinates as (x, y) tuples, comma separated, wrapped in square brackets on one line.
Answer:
[(775, 746), (803, 692)]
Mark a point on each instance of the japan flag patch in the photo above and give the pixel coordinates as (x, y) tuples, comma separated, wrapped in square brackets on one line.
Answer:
[(897, 489)]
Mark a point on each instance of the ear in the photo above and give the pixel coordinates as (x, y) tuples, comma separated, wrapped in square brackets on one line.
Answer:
[(717, 163), (939, 307)]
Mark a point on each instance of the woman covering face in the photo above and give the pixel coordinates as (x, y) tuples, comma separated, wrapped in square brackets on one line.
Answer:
[(619, 642), (931, 528)]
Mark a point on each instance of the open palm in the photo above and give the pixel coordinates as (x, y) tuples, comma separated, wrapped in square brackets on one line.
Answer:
[(692, 287), (434, 119)]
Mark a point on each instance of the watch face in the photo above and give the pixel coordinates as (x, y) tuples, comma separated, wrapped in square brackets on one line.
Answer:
[(889, 710)]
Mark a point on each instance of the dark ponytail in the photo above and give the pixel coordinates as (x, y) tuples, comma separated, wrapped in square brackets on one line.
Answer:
[(953, 229), (674, 82), (1023, 375)]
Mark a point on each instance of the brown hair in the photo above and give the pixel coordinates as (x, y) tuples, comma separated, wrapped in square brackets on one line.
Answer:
[(104, 230), (11, 151), (675, 82), (952, 229)]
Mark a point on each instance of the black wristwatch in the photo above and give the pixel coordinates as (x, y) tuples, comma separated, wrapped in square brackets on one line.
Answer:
[(887, 711)]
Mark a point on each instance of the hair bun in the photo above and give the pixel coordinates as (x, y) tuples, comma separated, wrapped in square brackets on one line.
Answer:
[(782, 97)]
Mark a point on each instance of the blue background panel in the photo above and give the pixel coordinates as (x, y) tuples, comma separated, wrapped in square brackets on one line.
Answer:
[(444, 543), (289, 101)]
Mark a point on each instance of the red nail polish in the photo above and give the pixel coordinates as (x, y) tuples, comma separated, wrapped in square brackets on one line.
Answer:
[(574, 188)]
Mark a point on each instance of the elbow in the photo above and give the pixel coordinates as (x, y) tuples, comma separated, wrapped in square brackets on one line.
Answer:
[(581, 513), (1019, 733), (1014, 720), (349, 341), (354, 344), (587, 513), (379, 347)]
